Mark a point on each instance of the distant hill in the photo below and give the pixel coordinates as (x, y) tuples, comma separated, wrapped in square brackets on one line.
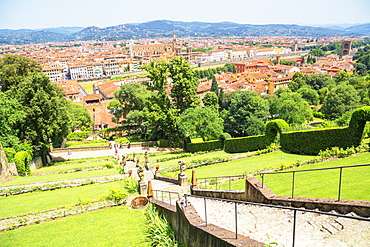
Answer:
[(165, 28), (362, 28), (26, 36), (62, 30)]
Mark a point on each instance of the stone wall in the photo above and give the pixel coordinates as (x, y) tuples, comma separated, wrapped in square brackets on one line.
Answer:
[(5, 168), (191, 230), (36, 163), (255, 193)]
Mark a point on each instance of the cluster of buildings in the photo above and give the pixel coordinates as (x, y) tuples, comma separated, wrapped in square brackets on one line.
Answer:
[(70, 64)]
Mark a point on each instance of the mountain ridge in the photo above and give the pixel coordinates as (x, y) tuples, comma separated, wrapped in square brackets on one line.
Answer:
[(165, 28)]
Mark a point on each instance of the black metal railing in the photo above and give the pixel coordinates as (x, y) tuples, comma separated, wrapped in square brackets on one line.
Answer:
[(166, 196), (236, 203), (215, 182), (263, 174)]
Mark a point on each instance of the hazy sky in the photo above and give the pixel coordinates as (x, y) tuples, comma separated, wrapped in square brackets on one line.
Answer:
[(16, 14)]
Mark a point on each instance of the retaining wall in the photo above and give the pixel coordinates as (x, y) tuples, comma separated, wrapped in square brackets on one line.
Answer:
[(255, 193), (5, 168), (191, 230)]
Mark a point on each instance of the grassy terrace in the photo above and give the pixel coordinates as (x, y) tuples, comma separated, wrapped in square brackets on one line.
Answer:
[(249, 164), (118, 226), (324, 184), (222, 154), (58, 167), (38, 201), (321, 184), (53, 177)]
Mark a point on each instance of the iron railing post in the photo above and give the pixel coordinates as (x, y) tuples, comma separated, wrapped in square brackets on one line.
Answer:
[(236, 221), (169, 194), (340, 183), (294, 223), (293, 184), (263, 177), (205, 210)]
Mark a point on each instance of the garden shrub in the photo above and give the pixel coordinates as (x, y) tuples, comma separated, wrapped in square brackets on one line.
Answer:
[(78, 136), (245, 144), (117, 196), (203, 146), (163, 143), (22, 161), (131, 184), (159, 230), (9, 153)]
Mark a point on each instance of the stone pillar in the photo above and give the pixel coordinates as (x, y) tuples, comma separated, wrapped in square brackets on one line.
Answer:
[(193, 179), (182, 178), (5, 168), (147, 163), (142, 185), (150, 190)]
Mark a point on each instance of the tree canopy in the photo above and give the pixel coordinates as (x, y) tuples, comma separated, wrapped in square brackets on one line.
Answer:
[(292, 108), (42, 105), (246, 115), (201, 122), (340, 99)]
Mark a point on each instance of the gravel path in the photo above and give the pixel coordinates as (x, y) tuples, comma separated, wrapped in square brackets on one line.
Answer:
[(275, 225)]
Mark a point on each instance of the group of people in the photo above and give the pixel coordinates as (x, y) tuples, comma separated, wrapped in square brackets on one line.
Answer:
[(113, 144)]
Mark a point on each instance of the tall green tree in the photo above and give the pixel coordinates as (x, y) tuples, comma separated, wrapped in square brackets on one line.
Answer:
[(13, 68), (46, 110), (317, 81), (128, 98), (10, 114), (201, 122), (184, 84), (43, 104), (246, 115), (310, 95), (161, 113), (211, 100), (340, 99), (80, 118), (292, 108), (214, 87)]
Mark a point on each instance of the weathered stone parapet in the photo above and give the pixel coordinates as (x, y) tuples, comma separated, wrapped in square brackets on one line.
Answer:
[(5, 168)]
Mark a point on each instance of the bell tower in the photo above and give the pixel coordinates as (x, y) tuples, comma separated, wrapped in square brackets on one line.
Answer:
[(174, 42), (346, 48)]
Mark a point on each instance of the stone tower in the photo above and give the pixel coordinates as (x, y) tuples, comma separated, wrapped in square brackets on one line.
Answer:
[(346, 47), (174, 42)]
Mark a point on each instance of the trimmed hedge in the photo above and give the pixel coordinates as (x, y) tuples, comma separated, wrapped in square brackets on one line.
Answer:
[(245, 144), (203, 146), (9, 153), (163, 143), (313, 141), (273, 130), (357, 125), (22, 161)]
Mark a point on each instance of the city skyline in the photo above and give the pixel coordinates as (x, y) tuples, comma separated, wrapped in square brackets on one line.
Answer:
[(45, 14)]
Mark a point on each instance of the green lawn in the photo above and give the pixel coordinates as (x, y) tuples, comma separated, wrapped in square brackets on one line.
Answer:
[(38, 201), (118, 226), (324, 184), (57, 167), (53, 177), (76, 144), (222, 154), (249, 164)]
